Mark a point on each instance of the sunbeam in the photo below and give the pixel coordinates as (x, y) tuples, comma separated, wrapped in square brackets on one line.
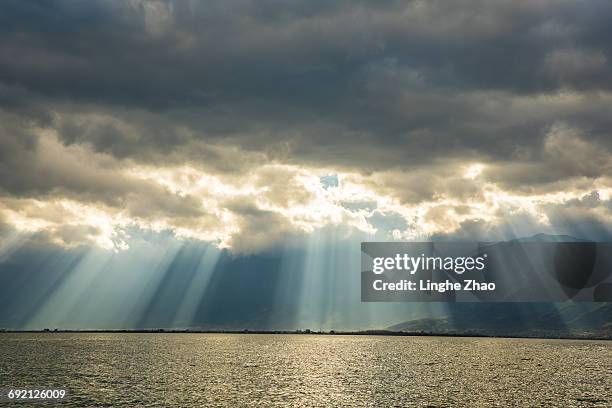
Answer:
[(186, 312)]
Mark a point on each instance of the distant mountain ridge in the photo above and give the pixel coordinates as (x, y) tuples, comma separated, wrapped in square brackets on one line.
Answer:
[(549, 238), (538, 319)]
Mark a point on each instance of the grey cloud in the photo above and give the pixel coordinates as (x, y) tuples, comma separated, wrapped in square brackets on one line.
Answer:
[(402, 92), (566, 153), (259, 229), (571, 64), (35, 167), (158, 54), (427, 183), (357, 84)]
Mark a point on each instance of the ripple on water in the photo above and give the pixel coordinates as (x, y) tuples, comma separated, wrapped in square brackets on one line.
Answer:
[(193, 370)]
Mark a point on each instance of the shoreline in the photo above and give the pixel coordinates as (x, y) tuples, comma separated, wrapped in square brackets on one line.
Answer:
[(564, 336)]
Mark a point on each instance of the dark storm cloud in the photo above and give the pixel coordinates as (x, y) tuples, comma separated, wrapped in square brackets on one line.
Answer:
[(403, 95), (159, 53), (41, 168), (364, 84)]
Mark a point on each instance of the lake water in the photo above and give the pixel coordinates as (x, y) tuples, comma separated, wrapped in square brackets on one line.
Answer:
[(193, 370)]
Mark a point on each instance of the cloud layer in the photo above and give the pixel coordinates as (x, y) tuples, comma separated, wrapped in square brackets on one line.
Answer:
[(217, 120)]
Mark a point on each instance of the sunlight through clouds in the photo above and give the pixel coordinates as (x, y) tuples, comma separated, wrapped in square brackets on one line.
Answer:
[(285, 200), (163, 161)]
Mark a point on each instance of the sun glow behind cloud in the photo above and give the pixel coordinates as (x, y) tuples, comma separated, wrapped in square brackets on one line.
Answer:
[(281, 200)]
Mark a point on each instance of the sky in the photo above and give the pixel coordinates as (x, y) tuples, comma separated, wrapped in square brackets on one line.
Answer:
[(142, 142)]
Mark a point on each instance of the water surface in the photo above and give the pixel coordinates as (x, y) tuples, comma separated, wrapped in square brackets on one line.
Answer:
[(193, 370)]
